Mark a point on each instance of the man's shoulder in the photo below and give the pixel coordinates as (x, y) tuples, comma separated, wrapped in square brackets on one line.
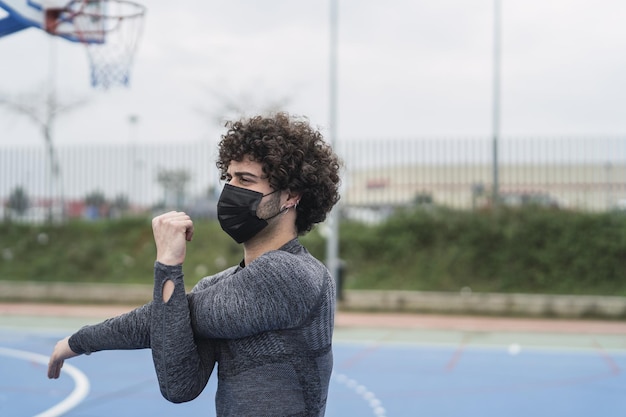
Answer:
[(283, 266), (211, 279)]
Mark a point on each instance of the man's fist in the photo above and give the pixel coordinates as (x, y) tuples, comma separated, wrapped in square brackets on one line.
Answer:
[(171, 231)]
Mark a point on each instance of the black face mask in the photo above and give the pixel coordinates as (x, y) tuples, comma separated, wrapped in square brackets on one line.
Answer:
[(236, 212)]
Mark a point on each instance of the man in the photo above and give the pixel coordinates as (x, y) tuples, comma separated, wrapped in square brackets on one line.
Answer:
[(266, 322)]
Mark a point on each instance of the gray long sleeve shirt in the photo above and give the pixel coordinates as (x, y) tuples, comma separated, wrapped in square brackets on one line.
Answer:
[(268, 326)]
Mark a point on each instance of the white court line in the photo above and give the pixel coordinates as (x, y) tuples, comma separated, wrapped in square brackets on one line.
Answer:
[(375, 404), (81, 382)]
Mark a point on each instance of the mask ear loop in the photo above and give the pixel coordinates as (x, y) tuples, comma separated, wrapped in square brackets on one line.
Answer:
[(282, 211)]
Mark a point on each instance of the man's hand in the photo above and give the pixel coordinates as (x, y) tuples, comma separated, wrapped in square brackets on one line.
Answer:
[(61, 352), (171, 231)]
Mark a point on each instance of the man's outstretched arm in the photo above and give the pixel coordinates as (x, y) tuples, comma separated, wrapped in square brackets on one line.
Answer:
[(127, 331)]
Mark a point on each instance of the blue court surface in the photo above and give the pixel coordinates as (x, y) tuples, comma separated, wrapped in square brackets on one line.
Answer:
[(388, 372)]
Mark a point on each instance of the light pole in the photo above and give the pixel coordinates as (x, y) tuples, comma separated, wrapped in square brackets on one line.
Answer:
[(497, 9), (133, 119), (332, 244)]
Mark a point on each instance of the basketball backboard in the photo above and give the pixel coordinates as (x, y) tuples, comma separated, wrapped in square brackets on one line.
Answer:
[(49, 15), (110, 30)]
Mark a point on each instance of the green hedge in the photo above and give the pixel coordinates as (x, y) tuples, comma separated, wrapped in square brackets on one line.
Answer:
[(529, 251), (120, 251)]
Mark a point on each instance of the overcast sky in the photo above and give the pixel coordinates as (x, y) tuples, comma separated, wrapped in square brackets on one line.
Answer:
[(407, 69)]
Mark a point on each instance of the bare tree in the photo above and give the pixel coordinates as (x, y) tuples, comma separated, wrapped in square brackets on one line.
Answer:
[(42, 109), (229, 105), (174, 183)]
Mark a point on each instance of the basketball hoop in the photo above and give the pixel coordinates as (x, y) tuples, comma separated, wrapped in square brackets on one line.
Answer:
[(110, 31)]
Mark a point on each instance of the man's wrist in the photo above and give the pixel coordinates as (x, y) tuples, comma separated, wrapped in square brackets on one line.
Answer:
[(166, 264)]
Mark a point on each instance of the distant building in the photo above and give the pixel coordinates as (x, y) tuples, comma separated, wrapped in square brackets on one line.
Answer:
[(588, 187)]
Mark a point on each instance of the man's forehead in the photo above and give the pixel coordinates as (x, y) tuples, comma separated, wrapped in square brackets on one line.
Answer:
[(246, 166)]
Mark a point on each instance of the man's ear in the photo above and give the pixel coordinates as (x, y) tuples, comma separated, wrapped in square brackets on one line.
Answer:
[(293, 199)]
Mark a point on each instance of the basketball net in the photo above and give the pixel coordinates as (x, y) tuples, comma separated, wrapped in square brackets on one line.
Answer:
[(110, 31)]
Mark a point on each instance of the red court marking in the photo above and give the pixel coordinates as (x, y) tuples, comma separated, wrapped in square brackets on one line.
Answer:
[(456, 356), (359, 356), (615, 369)]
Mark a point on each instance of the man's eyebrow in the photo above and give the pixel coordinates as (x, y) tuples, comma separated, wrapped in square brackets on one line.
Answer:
[(243, 174)]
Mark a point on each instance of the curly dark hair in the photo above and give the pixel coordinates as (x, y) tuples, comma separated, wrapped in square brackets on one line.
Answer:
[(294, 157)]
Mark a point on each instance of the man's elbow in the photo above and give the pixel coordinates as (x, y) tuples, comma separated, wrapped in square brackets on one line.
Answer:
[(178, 397)]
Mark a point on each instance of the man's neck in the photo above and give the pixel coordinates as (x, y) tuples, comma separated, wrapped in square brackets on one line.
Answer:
[(268, 240), (257, 247)]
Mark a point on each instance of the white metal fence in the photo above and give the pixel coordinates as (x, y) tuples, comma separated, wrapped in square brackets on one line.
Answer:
[(380, 175)]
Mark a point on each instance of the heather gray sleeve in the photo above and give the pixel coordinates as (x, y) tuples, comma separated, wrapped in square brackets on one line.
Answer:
[(128, 331), (278, 290), (182, 363)]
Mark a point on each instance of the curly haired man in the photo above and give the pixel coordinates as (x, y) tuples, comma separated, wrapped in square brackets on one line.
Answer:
[(267, 322)]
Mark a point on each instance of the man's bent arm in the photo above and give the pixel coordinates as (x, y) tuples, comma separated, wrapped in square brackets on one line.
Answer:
[(182, 363)]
